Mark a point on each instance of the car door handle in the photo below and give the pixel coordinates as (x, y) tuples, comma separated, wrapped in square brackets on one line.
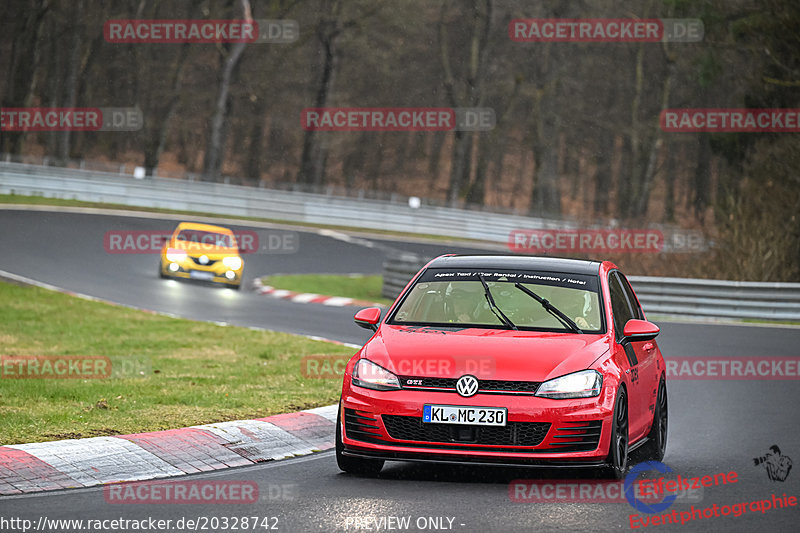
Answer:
[(649, 347)]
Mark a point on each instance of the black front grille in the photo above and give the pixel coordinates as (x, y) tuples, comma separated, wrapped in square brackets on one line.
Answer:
[(488, 386), (508, 386), (512, 434), (440, 383), (197, 260)]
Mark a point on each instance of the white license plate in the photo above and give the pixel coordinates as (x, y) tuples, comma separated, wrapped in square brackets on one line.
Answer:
[(199, 274), (458, 414)]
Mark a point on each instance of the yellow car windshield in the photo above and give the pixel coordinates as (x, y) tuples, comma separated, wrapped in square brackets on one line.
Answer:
[(206, 238)]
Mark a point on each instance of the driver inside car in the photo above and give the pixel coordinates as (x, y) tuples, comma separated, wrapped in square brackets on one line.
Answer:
[(468, 304), (579, 310)]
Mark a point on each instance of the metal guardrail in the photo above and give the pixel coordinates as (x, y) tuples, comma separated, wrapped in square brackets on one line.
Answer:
[(398, 271), (219, 198), (127, 169), (665, 296), (718, 298)]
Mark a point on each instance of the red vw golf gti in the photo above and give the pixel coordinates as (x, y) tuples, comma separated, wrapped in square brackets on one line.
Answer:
[(506, 360)]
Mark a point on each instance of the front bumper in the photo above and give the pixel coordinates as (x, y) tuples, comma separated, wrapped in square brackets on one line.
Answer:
[(539, 431), (189, 269)]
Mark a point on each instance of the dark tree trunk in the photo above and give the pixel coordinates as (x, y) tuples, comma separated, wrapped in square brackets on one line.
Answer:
[(24, 59), (72, 77), (354, 162), (401, 152), (546, 195), (156, 136), (669, 198), (315, 147), (459, 172), (470, 92), (215, 149), (255, 152), (655, 137), (602, 178), (490, 145), (476, 193), (435, 156), (624, 179), (702, 176)]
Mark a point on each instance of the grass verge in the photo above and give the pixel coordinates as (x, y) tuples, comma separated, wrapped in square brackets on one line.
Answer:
[(357, 287), (187, 372)]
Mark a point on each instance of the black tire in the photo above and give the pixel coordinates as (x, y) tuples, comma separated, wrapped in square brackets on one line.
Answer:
[(354, 465), (656, 444), (617, 462), (161, 271)]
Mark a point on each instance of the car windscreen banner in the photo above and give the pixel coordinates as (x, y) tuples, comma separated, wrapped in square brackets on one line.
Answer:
[(553, 279)]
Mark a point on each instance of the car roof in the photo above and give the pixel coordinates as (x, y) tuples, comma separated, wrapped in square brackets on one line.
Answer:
[(518, 262), (204, 227)]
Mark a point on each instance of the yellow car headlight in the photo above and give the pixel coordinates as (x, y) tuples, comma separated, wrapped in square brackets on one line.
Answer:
[(234, 263)]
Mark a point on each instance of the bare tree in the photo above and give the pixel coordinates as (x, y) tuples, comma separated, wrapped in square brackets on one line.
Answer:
[(468, 91), (331, 28), (212, 163), (20, 82)]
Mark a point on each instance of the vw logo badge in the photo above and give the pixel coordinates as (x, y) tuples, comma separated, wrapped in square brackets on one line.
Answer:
[(467, 386), (203, 259)]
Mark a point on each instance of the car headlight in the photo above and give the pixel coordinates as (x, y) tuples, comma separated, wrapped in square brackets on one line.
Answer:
[(175, 255), (371, 376), (583, 384), (232, 262)]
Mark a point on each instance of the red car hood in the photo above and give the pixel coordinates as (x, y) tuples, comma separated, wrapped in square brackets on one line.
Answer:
[(484, 353)]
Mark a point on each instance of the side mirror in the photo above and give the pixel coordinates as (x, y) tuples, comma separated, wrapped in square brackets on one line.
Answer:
[(639, 330), (368, 318)]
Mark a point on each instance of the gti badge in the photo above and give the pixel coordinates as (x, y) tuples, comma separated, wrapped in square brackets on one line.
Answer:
[(467, 386)]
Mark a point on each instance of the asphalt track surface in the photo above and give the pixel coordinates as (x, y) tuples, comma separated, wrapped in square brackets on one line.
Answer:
[(714, 426), (67, 250)]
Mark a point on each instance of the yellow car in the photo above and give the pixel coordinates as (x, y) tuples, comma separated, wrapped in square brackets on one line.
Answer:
[(204, 252)]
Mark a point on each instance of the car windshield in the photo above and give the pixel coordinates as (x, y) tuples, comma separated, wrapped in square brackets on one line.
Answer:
[(206, 238), (458, 298)]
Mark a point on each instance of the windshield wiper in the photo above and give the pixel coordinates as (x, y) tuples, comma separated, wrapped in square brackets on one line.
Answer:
[(553, 310), (493, 306)]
